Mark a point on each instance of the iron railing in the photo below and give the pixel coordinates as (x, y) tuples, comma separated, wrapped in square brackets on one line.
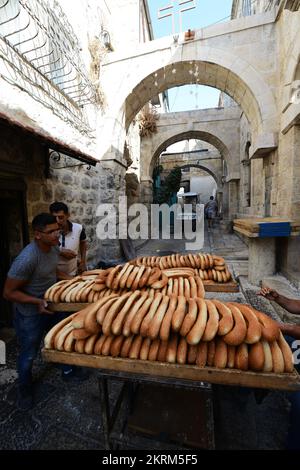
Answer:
[(40, 54)]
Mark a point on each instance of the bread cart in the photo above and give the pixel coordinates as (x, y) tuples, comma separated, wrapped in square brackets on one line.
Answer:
[(187, 377)]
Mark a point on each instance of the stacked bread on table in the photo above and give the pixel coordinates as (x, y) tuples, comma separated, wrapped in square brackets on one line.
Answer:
[(207, 266), (175, 274), (175, 329), (123, 278)]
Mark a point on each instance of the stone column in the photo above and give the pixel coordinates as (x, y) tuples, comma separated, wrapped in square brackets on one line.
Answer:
[(146, 191), (233, 196), (230, 204), (288, 200), (112, 186), (147, 197), (225, 201), (219, 198), (262, 259)]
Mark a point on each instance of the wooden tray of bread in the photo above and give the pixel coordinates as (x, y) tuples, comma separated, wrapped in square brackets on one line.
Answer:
[(284, 381), (170, 336), (209, 286), (202, 272)]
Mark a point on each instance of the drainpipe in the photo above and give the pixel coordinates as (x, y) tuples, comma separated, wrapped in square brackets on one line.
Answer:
[(148, 18), (233, 9)]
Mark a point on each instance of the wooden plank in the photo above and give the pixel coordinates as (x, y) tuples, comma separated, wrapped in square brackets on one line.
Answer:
[(252, 224), (288, 381), (66, 307), (212, 286), (254, 221), (250, 234), (245, 232)]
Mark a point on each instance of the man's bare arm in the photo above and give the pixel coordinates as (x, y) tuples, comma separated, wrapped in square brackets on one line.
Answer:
[(83, 250), (291, 330), (67, 254), (291, 305), (14, 293)]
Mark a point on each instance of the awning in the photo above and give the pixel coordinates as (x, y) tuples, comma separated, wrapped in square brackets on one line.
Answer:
[(49, 141)]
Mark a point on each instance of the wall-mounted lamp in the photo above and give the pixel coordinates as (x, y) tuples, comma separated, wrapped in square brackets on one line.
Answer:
[(52, 158)]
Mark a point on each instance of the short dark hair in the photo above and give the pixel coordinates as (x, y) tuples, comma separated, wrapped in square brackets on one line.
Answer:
[(58, 206), (211, 197), (41, 220)]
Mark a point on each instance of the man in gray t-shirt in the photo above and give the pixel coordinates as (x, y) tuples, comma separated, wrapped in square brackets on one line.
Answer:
[(39, 269), (31, 274)]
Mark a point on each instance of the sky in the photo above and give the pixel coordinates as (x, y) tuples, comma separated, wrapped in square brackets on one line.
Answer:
[(207, 12)]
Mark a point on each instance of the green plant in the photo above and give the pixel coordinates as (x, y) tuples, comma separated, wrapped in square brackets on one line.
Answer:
[(171, 185), (157, 171)]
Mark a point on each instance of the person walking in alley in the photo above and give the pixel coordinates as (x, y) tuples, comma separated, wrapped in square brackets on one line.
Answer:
[(72, 241), (30, 275), (211, 211), (290, 331)]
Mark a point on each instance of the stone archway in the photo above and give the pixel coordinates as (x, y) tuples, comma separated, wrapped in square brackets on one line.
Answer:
[(204, 168), (147, 165), (152, 147), (209, 190), (221, 56), (202, 73), (214, 60)]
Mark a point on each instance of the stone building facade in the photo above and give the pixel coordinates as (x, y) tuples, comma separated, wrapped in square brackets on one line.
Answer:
[(52, 105), (254, 59), (81, 97), (48, 163)]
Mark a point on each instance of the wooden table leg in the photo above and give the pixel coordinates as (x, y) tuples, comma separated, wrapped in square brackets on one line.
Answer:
[(105, 411)]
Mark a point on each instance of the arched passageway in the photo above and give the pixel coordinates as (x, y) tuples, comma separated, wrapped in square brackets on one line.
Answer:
[(152, 148)]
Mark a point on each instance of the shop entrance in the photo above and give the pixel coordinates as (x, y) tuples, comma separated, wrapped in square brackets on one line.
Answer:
[(13, 234)]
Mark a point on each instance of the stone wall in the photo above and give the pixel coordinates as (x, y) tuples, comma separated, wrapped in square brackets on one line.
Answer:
[(112, 186), (77, 187), (82, 190), (23, 157)]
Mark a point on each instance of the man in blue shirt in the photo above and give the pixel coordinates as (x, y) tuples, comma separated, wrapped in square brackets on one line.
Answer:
[(31, 274)]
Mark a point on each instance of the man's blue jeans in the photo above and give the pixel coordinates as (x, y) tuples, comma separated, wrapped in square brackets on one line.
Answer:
[(30, 331)]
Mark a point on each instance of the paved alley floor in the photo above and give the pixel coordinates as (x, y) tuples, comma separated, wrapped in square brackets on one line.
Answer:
[(68, 416)]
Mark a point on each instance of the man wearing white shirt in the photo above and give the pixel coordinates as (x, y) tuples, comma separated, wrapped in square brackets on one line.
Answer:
[(73, 244)]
